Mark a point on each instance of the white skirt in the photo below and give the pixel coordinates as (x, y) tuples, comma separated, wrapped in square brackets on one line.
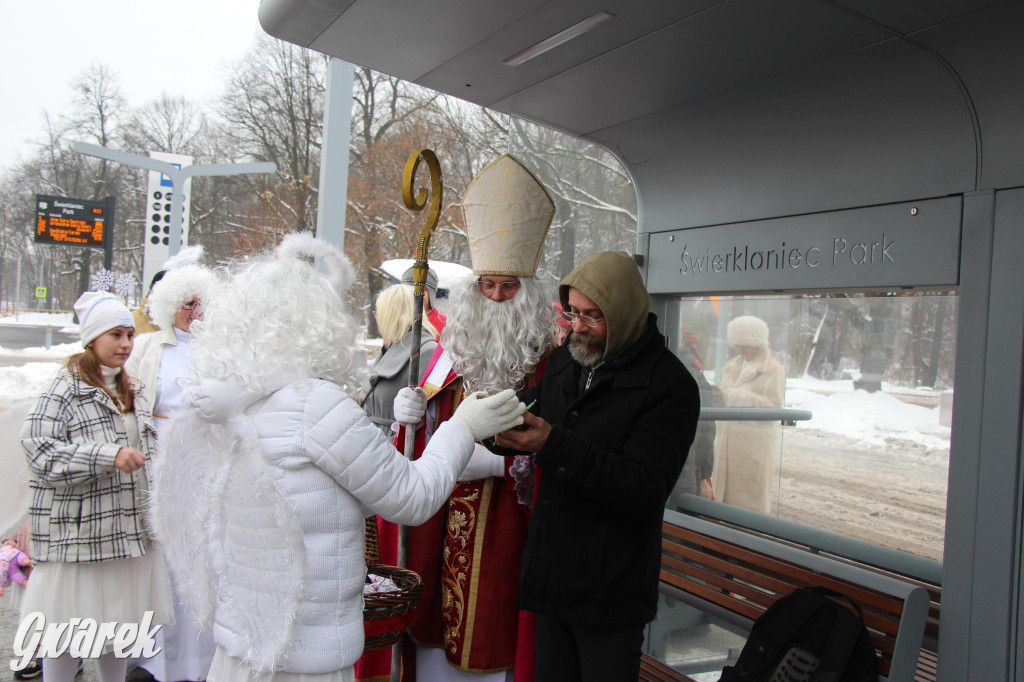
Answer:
[(118, 591), (227, 669)]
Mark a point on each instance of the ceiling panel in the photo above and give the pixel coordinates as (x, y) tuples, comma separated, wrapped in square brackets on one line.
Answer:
[(480, 75), (907, 16), (408, 38), (299, 21), (655, 55), (725, 47)]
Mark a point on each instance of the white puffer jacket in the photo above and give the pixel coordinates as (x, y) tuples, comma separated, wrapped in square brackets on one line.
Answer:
[(334, 468)]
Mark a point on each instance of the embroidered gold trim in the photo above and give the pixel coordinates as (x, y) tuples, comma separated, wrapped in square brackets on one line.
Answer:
[(478, 547)]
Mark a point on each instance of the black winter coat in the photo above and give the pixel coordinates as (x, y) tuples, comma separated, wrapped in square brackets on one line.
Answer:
[(615, 450)]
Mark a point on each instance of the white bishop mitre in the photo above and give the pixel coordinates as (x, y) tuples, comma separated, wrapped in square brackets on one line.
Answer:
[(508, 213)]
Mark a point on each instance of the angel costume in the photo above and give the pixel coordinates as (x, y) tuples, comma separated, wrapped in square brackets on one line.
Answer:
[(263, 483)]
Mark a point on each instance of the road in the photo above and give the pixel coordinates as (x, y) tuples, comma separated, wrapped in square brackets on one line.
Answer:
[(31, 336), (892, 494)]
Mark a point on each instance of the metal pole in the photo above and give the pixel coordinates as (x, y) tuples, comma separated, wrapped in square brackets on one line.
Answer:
[(178, 176), (333, 196), (17, 288), (108, 234)]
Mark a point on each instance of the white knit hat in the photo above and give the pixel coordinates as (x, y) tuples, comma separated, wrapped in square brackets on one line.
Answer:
[(98, 312), (747, 330)]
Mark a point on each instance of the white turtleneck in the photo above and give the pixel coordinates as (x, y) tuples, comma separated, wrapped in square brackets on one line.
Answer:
[(131, 424)]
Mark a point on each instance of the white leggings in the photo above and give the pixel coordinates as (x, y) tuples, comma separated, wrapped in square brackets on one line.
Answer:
[(64, 668)]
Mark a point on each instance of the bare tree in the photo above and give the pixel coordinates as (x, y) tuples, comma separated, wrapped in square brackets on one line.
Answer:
[(168, 124), (273, 111)]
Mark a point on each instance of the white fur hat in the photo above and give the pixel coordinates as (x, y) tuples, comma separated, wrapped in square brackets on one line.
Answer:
[(99, 312), (179, 286), (748, 330)]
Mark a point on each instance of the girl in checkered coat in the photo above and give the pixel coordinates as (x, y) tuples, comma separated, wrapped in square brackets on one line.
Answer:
[(88, 440)]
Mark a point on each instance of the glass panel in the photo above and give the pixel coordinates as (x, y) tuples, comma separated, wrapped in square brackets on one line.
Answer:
[(875, 371), (692, 642)]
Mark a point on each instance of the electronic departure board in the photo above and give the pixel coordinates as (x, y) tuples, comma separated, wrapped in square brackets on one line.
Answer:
[(75, 222)]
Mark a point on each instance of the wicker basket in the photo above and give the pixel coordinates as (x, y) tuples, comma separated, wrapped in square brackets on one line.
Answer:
[(385, 614)]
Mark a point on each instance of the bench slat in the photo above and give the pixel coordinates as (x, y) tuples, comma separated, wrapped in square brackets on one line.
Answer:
[(862, 596), (885, 621)]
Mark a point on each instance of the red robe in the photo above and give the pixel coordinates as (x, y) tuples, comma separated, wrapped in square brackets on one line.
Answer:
[(468, 555)]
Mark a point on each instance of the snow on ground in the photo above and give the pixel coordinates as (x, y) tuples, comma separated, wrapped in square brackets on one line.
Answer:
[(22, 382), (61, 321), (870, 418)]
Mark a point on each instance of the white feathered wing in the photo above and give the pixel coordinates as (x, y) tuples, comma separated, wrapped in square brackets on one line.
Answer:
[(232, 542)]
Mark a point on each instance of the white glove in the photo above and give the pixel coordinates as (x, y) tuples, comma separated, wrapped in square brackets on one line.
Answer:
[(410, 405), (483, 464), (486, 416)]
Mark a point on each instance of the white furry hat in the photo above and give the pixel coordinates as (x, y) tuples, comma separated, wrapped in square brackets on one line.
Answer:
[(98, 312), (187, 255), (179, 286), (305, 245), (748, 330)]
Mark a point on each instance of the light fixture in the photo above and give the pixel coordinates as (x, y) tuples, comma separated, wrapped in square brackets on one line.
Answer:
[(559, 38)]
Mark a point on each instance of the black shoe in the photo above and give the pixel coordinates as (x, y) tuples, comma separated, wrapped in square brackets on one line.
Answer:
[(31, 671), (139, 674)]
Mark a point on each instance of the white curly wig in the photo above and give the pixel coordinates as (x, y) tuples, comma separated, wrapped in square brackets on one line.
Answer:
[(178, 287), (275, 318)]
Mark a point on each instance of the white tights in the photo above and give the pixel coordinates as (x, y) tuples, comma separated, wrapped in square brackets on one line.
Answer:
[(64, 668)]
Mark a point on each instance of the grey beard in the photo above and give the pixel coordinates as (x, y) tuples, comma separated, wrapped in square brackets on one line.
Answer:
[(494, 345), (586, 351)]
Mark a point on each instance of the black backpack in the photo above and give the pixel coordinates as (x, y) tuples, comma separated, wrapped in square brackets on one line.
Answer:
[(807, 636)]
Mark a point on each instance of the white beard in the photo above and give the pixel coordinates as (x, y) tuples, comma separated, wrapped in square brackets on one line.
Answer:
[(494, 345)]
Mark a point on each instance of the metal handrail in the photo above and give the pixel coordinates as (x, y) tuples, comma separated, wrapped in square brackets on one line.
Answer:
[(754, 414)]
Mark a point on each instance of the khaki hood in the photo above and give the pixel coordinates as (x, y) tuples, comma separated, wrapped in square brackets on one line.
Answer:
[(612, 280)]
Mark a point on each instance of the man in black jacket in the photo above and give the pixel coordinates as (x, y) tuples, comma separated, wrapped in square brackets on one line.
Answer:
[(614, 418)]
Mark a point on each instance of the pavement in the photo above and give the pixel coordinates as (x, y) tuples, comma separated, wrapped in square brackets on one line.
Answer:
[(8, 629), (10, 425)]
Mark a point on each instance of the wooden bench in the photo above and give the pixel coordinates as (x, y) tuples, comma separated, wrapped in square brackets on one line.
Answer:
[(908, 567), (730, 577)]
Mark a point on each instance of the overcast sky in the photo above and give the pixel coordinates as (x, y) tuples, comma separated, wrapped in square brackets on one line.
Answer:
[(178, 47)]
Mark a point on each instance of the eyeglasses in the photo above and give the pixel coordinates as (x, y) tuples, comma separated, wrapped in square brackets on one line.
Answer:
[(192, 305), (487, 286), (586, 319)]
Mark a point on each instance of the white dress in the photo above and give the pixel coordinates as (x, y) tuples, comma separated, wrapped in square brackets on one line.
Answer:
[(121, 590), (185, 653)]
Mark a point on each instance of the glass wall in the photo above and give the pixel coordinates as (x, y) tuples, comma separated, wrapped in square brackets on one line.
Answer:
[(874, 374)]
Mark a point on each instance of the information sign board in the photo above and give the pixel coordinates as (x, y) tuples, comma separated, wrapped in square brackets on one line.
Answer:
[(40, 292), (75, 222)]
